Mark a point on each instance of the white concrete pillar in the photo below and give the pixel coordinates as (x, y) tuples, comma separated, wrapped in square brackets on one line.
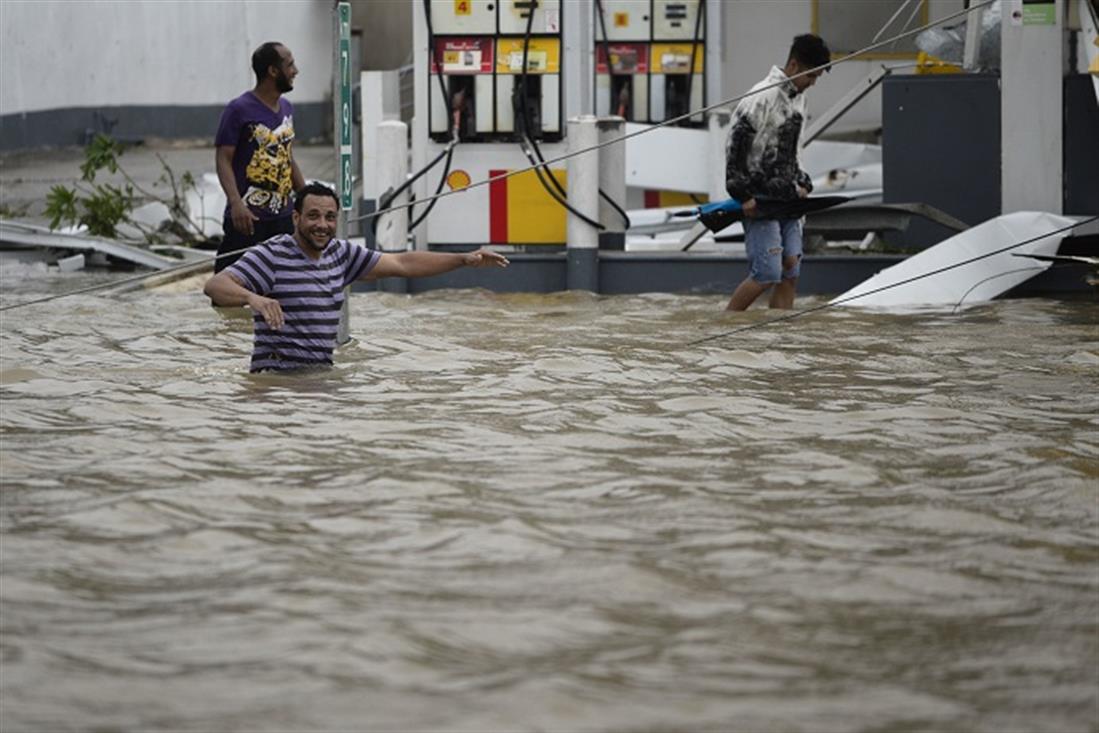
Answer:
[(612, 182), (582, 239), (392, 229), (379, 100), (1031, 107)]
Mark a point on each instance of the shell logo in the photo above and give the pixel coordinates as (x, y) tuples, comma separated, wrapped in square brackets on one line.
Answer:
[(458, 179)]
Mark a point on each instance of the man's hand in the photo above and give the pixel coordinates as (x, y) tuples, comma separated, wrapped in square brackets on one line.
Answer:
[(484, 258), (242, 217), (268, 308), (802, 193), (750, 207)]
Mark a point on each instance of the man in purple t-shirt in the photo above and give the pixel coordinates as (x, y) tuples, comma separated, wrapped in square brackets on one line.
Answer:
[(295, 285), (254, 157)]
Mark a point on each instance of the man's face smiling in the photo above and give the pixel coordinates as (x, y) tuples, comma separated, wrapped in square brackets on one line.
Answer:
[(316, 224)]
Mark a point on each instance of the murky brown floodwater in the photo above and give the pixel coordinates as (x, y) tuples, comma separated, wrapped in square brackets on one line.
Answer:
[(520, 512)]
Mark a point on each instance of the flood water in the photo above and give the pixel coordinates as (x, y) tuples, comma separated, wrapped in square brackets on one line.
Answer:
[(549, 513)]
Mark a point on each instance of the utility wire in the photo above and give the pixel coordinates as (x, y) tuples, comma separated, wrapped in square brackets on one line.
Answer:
[(908, 22), (891, 19)]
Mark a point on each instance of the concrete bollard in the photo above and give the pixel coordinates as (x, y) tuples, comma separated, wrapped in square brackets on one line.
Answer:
[(379, 100), (392, 229), (612, 182), (582, 241)]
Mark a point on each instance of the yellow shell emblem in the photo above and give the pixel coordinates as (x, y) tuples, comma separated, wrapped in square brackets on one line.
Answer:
[(458, 179)]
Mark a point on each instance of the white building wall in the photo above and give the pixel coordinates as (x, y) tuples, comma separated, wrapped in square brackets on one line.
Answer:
[(757, 36), (58, 54)]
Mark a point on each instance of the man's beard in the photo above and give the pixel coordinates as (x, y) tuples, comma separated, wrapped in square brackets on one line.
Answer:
[(283, 83), (314, 244)]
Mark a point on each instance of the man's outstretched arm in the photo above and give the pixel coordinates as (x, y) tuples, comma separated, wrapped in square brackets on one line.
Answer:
[(425, 264)]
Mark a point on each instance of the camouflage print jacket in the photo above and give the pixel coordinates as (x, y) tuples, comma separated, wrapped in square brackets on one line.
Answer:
[(761, 154)]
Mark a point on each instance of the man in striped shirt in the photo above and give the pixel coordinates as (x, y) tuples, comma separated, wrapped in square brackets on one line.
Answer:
[(294, 283)]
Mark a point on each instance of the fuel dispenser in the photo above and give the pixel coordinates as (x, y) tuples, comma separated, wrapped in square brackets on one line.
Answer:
[(622, 36), (491, 76), (496, 81), (477, 47), (650, 59), (466, 66)]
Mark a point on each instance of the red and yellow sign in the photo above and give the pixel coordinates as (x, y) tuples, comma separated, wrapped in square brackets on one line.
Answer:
[(463, 55), (522, 212)]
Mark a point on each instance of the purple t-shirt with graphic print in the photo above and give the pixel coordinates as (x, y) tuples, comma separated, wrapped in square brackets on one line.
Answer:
[(310, 293), (261, 161)]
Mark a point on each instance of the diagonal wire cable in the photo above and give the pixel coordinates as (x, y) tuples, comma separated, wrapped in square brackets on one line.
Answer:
[(908, 22), (900, 9)]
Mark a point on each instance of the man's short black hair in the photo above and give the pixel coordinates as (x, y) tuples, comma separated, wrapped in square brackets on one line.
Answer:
[(313, 189), (264, 57), (810, 51)]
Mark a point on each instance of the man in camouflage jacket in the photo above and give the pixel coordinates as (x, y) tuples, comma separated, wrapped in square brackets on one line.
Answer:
[(761, 163)]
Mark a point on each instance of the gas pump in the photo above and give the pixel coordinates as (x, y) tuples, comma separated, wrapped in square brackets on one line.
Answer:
[(622, 87), (490, 75), (532, 99), (478, 47), (678, 50), (649, 59), (622, 35), (494, 87), (461, 38), (466, 68)]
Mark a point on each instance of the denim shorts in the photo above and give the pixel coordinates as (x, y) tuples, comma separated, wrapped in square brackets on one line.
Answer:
[(767, 241)]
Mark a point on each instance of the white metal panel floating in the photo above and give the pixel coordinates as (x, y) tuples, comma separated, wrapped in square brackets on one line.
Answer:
[(32, 235), (973, 266)]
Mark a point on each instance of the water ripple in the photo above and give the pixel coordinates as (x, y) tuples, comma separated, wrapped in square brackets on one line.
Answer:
[(504, 512)]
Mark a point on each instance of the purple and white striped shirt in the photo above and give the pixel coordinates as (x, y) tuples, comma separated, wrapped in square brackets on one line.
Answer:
[(310, 293)]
